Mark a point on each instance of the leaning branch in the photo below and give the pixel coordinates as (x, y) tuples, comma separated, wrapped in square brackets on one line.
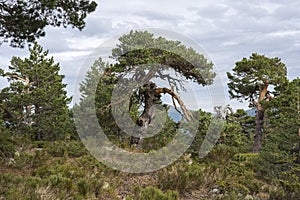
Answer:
[(186, 112), (25, 80)]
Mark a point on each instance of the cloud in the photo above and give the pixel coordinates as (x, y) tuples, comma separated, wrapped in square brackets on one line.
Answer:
[(97, 26), (228, 30)]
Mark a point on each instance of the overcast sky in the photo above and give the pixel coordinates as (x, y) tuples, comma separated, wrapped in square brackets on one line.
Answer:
[(227, 30)]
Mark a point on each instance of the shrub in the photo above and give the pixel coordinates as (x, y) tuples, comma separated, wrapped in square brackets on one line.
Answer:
[(233, 135), (290, 183), (75, 149), (57, 149), (7, 147), (17, 187), (59, 182), (65, 170), (221, 154), (237, 177), (181, 177), (83, 187), (151, 193)]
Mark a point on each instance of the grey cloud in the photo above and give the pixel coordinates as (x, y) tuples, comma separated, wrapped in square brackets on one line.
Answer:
[(56, 39), (97, 26), (288, 12), (7, 52), (156, 15), (212, 11)]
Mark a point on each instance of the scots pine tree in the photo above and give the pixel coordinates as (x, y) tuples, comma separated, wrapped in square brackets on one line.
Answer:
[(251, 80), (142, 59), (25, 21), (36, 101)]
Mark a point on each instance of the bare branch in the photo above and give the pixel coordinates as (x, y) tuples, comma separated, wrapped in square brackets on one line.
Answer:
[(25, 80), (187, 113), (171, 80), (176, 107)]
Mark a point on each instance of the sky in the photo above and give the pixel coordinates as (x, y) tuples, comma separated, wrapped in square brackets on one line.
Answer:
[(227, 30)]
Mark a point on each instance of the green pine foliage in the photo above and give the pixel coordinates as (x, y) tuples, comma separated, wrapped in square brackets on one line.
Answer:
[(7, 148), (279, 161), (143, 48), (25, 21), (36, 101)]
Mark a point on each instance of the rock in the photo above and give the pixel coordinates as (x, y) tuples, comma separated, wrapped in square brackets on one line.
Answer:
[(105, 185), (17, 154), (215, 191), (11, 161), (249, 197)]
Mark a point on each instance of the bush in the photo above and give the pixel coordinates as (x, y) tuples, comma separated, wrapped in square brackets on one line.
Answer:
[(290, 184), (7, 146), (65, 170), (75, 149), (150, 193), (17, 187), (181, 177), (221, 154), (83, 187), (63, 148), (233, 136), (238, 177), (59, 182), (57, 149)]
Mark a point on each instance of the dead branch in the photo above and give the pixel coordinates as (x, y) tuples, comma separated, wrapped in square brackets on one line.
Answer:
[(186, 112), (171, 80), (25, 80)]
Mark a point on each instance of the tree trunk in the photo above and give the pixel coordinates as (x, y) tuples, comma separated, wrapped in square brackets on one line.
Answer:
[(257, 146), (258, 131), (144, 119), (298, 158), (151, 95)]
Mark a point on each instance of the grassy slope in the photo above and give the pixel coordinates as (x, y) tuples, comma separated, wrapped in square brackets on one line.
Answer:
[(65, 170)]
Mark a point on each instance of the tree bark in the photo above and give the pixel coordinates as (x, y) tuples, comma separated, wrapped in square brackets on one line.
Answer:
[(257, 146), (151, 95), (144, 119)]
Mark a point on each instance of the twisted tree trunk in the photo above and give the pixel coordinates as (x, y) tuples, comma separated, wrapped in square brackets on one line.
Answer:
[(144, 119), (151, 95)]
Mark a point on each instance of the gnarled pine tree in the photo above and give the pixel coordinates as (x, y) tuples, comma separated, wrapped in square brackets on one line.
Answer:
[(149, 58)]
